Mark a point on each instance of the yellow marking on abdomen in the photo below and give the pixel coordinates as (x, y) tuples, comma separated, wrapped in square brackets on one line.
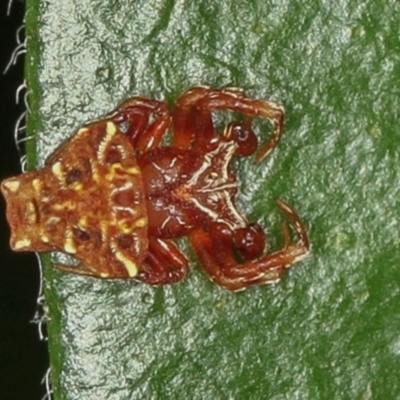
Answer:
[(69, 245), (12, 186), (82, 131), (141, 223), (133, 170), (66, 205), (31, 212), (129, 265), (77, 186), (44, 238), (37, 185), (125, 226), (111, 129), (21, 244), (57, 170), (83, 222)]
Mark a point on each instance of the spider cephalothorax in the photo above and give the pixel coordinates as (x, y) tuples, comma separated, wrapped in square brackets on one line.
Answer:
[(115, 199)]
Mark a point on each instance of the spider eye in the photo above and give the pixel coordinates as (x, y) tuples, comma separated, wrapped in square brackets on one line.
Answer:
[(73, 175)]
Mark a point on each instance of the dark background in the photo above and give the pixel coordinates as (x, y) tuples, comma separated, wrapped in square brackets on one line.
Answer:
[(23, 357)]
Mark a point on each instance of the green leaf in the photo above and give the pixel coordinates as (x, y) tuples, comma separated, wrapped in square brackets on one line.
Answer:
[(330, 329)]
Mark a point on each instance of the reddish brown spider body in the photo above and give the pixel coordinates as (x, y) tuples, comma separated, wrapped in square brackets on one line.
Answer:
[(115, 199)]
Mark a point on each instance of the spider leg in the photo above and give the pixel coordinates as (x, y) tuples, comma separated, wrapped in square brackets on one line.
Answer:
[(164, 263), (191, 123), (80, 269), (147, 121), (201, 101), (217, 257)]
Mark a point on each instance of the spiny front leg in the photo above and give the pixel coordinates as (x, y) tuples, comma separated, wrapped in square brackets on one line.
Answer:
[(217, 256), (193, 110)]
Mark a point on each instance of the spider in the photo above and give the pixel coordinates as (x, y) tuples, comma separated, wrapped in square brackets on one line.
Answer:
[(116, 199)]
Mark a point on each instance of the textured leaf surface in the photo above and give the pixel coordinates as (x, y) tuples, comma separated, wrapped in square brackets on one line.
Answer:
[(331, 328)]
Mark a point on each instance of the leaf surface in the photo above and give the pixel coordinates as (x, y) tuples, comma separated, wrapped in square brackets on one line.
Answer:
[(330, 329)]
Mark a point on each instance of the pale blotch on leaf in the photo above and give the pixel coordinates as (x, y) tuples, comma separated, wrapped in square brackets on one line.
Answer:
[(375, 131), (343, 240), (358, 31)]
